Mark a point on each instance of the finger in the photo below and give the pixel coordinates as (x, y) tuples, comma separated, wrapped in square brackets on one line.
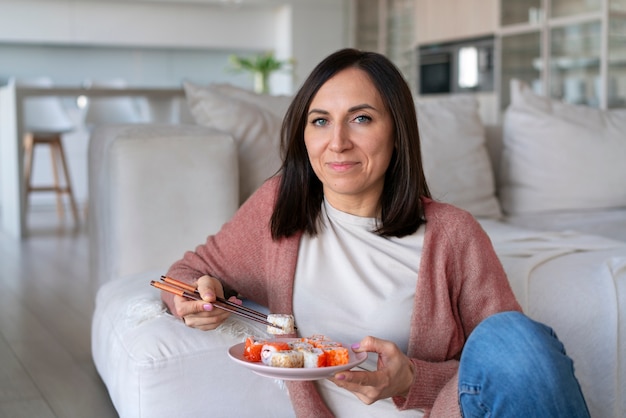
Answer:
[(374, 345), (364, 385), (185, 307), (234, 299), (209, 288), (203, 321), (385, 349), (352, 379)]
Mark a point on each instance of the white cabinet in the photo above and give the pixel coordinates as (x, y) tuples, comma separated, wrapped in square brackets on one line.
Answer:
[(573, 50), (445, 20)]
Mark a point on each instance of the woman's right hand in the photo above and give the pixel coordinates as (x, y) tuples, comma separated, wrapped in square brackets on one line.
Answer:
[(203, 314)]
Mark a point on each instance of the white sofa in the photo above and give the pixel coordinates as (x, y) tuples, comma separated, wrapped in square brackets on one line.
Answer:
[(543, 194)]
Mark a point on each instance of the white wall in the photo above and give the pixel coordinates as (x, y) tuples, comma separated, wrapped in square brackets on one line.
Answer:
[(133, 23), (317, 25), (157, 44), (171, 31)]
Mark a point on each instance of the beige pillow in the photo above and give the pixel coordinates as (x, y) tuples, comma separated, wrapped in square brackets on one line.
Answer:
[(454, 153), (276, 104), (256, 131), (559, 156)]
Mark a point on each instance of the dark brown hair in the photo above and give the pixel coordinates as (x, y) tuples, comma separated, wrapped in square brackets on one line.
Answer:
[(300, 193)]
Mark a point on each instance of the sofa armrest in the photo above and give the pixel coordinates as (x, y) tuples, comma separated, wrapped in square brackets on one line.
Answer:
[(156, 191)]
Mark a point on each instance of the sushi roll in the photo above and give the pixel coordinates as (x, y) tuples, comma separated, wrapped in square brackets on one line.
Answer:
[(336, 356), (327, 344), (317, 338), (273, 357), (284, 321), (301, 346), (252, 349), (316, 357)]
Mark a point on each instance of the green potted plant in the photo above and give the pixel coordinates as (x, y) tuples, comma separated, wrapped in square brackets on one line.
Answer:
[(261, 66)]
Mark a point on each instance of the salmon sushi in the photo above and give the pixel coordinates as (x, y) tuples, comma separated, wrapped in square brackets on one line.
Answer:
[(336, 356), (252, 349)]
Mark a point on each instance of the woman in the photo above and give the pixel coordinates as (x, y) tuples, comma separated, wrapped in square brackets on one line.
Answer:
[(347, 238)]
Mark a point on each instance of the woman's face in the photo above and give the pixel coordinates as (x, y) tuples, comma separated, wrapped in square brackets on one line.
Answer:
[(349, 139)]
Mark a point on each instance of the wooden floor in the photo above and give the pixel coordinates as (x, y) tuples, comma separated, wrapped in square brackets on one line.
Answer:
[(46, 306)]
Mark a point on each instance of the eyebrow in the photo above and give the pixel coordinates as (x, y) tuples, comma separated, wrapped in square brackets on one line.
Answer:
[(352, 109)]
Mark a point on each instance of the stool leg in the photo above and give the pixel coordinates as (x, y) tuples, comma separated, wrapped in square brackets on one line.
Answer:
[(28, 166), (55, 151), (68, 182)]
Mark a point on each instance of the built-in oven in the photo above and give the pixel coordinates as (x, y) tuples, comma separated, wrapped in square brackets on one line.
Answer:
[(464, 66)]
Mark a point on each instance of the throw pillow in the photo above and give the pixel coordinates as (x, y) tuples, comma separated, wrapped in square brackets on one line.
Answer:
[(256, 131), (559, 156), (276, 104), (454, 153)]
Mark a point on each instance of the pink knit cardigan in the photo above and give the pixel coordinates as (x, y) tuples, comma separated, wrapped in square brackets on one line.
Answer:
[(461, 282)]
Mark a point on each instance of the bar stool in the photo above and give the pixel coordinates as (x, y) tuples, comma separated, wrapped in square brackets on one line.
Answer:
[(45, 121), (113, 110)]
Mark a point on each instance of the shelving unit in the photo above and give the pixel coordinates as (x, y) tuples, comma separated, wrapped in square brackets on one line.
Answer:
[(387, 27), (572, 50)]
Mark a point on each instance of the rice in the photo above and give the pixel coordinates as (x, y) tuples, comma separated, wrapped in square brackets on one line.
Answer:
[(282, 358), (286, 322)]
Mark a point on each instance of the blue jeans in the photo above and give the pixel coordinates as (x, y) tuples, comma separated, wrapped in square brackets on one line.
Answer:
[(512, 366)]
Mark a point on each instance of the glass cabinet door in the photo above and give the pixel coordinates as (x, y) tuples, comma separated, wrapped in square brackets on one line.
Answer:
[(575, 63), (616, 73), (584, 61), (562, 8), (617, 5), (521, 59), (521, 11)]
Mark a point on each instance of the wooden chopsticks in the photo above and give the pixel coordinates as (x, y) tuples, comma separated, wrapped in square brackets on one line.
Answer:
[(188, 291)]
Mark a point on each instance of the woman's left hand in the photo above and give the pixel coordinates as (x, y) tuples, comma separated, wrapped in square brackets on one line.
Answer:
[(393, 376)]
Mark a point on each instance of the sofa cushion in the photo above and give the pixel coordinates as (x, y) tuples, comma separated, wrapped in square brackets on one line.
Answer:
[(559, 156), (276, 104), (256, 131), (454, 153)]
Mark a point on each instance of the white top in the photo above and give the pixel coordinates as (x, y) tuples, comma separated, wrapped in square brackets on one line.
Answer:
[(351, 283)]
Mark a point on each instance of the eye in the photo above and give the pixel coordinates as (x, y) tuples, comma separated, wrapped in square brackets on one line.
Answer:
[(319, 122), (362, 119)]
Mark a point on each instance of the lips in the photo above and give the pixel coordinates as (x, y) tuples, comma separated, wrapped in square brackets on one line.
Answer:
[(342, 166)]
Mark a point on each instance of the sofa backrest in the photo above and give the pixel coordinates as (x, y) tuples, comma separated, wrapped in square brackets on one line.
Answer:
[(156, 191)]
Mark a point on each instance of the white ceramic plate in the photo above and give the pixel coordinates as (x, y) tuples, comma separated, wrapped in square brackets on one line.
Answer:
[(236, 353)]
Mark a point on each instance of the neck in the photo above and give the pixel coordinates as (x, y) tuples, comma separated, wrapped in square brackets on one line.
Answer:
[(356, 207)]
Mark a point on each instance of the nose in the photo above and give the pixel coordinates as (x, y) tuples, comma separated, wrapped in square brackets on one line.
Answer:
[(339, 140)]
